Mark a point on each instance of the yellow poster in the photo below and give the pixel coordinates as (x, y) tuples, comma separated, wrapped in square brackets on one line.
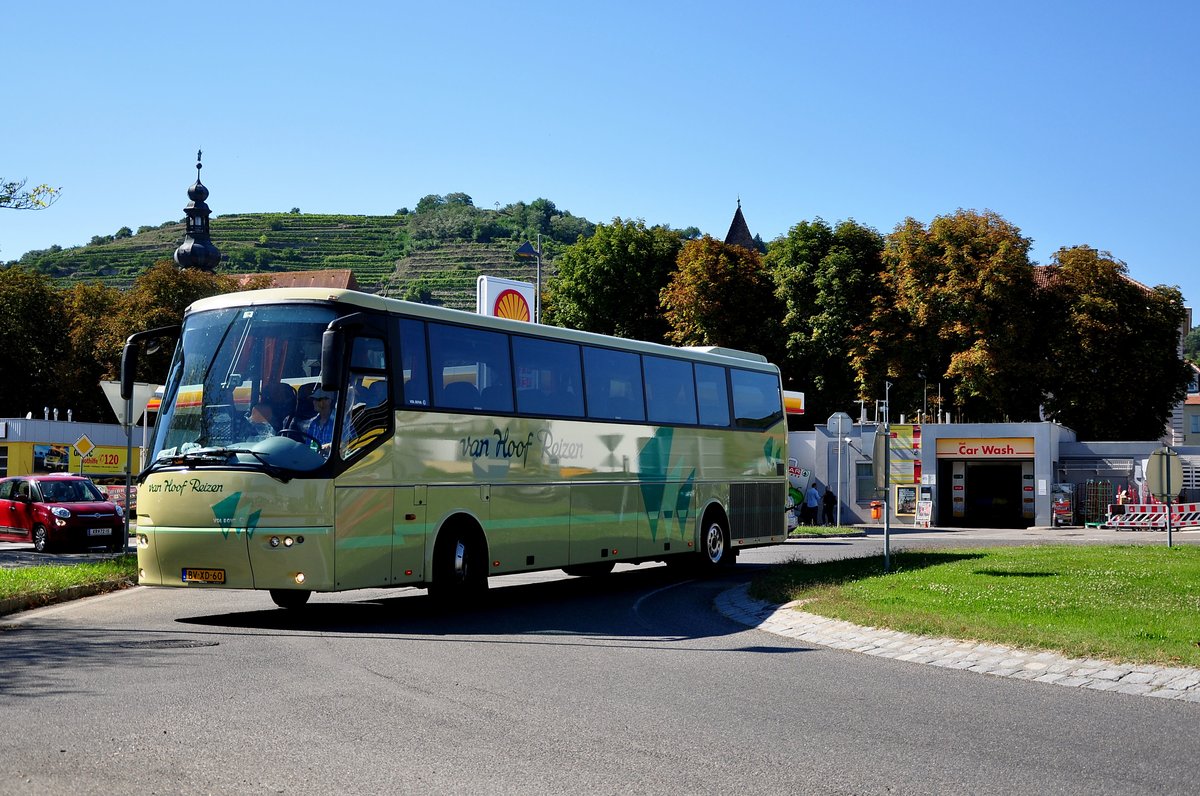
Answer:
[(104, 460)]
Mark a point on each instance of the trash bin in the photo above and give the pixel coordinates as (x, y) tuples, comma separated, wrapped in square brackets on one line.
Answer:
[(876, 509)]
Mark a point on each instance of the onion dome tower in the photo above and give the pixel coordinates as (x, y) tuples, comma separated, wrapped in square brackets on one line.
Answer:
[(197, 249)]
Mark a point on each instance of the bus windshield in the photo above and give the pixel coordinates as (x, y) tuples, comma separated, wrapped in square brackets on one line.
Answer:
[(240, 389)]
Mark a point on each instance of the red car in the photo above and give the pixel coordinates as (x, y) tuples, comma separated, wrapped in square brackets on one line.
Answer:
[(59, 511)]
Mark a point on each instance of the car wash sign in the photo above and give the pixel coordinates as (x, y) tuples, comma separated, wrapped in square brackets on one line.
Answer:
[(985, 448)]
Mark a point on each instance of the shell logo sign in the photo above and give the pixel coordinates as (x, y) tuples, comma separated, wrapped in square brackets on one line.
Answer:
[(511, 304), (504, 298)]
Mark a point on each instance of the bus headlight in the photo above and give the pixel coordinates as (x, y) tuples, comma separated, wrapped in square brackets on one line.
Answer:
[(300, 578)]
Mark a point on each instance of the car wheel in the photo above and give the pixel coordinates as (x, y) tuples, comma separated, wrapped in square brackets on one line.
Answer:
[(41, 540)]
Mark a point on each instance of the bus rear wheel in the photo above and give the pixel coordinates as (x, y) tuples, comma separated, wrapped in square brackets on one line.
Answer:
[(290, 598), (459, 567), (715, 551)]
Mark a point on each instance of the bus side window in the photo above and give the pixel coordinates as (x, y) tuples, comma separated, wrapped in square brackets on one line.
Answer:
[(712, 392), (757, 402), (670, 390), (415, 363), (613, 383), (368, 414)]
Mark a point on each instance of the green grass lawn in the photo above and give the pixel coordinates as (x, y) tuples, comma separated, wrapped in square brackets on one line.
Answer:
[(39, 583), (824, 530), (1121, 603)]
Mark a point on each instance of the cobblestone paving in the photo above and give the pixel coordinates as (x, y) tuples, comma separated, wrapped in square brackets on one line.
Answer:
[(1043, 667)]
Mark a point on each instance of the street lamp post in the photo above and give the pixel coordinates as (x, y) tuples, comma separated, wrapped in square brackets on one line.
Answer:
[(887, 477)]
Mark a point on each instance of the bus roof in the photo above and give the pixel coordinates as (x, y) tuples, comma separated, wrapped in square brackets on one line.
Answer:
[(714, 354)]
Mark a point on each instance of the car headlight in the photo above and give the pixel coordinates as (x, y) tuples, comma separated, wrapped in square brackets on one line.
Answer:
[(60, 512), (120, 511)]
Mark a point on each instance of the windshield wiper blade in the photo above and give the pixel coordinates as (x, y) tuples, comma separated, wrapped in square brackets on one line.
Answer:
[(203, 456), (270, 469)]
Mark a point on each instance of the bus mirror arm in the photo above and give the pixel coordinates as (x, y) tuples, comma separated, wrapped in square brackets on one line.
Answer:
[(129, 355)]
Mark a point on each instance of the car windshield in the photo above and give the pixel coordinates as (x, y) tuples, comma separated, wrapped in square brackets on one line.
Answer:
[(70, 492), (240, 387)]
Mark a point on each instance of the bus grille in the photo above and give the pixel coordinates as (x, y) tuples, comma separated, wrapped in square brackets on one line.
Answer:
[(756, 509)]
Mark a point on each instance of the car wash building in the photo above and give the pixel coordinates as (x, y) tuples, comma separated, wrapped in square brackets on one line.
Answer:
[(996, 475)]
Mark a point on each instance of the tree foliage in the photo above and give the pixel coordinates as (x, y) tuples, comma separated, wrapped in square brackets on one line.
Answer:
[(826, 278), (1191, 344), (14, 195), (955, 308), (64, 341), (610, 282), (1112, 345), (722, 295)]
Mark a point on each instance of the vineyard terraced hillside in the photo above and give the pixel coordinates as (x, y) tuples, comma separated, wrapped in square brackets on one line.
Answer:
[(383, 252)]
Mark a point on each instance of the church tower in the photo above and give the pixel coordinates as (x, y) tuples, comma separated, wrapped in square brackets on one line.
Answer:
[(739, 233), (197, 249)]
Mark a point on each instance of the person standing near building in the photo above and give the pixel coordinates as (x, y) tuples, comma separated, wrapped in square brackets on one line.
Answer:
[(812, 504), (829, 507)]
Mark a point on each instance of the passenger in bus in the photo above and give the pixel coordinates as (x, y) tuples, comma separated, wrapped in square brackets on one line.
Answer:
[(260, 418), (320, 426)]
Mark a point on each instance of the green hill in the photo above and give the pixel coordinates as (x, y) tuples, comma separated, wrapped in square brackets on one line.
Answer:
[(433, 253)]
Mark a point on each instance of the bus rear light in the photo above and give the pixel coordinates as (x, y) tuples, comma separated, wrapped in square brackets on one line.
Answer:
[(299, 578), (495, 563), (408, 572), (614, 551), (287, 541)]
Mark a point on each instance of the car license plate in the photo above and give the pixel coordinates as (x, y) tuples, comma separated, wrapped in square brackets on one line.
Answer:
[(99, 531), (191, 575)]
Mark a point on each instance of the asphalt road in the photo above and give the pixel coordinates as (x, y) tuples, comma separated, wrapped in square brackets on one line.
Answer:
[(630, 683)]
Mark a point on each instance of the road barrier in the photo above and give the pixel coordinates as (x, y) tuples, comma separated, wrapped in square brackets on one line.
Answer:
[(1152, 515)]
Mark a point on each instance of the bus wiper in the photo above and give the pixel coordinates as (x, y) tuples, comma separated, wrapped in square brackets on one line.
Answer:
[(203, 456)]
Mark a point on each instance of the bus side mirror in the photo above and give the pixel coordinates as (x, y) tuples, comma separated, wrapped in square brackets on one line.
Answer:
[(331, 359), (129, 357), (129, 354)]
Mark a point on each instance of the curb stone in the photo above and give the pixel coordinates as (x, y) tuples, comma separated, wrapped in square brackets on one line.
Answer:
[(1164, 682), (12, 605)]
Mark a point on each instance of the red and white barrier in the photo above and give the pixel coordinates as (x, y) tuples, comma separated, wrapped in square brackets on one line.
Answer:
[(1153, 515)]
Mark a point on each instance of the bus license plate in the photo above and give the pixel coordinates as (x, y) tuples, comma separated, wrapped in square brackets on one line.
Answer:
[(191, 575), (99, 531)]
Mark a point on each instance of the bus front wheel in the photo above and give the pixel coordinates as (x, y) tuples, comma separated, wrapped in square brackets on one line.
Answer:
[(290, 598), (459, 566)]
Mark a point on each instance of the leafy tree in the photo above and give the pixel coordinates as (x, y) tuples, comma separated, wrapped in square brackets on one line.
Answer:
[(956, 307), (122, 233), (14, 196), (1191, 344), (826, 278), (1112, 346), (95, 316), (610, 282), (722, 295), (33, 343)]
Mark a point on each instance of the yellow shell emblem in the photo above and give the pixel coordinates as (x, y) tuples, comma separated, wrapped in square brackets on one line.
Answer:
[(511, 304)]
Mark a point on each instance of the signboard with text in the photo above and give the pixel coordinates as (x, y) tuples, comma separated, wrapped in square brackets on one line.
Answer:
[(103, 459), (985, 448)]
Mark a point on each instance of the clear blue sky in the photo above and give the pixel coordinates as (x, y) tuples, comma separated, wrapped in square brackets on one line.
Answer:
[(1075, 121)]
